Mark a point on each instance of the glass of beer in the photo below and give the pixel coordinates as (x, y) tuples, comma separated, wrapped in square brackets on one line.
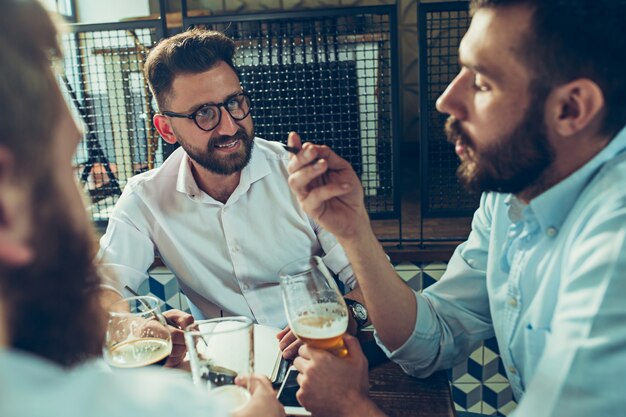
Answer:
[(137, 334), (315, 309), (220, 349)]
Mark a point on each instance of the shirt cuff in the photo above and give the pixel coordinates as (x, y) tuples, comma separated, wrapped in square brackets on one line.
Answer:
[(412, 355), (337, 260)]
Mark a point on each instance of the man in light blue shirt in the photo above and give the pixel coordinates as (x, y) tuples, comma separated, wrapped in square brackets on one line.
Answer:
[(51, 321), (537, 116)]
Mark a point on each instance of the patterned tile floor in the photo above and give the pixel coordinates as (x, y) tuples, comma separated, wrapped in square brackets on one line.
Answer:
[(479, 385)]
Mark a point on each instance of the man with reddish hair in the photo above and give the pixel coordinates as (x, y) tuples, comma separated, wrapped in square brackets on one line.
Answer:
[(51, 321)]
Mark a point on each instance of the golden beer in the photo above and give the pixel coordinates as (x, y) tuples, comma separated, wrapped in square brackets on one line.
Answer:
[(140, 352), (323, 332)]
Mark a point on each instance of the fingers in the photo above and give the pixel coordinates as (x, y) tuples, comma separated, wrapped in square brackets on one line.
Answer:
[(242, 380), (304, 351), (289, 343), (282, 333), (263, 401), (179, 317), (255, 383), (353, 345), (301, 364), (178, 347), (286, 338), (294, 140), (315, 197), (259, 384), (306, 165), (292, 350)]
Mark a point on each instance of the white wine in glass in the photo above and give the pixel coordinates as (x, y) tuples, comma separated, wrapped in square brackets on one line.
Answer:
[(315, 309), (137, 334)]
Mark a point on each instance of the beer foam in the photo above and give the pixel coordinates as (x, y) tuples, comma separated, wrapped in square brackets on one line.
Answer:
[(320, 327)]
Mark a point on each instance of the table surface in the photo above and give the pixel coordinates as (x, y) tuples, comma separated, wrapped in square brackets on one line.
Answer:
[(400, 395)]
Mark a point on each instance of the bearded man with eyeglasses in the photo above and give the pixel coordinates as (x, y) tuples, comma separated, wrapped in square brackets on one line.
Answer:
[(219, 211)]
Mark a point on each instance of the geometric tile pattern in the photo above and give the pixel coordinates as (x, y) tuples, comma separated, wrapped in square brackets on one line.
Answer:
[(479, 385), (162, 284)]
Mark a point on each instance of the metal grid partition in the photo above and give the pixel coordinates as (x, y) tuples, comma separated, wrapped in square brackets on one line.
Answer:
[(329, 75), (105, 86), (441, 28)]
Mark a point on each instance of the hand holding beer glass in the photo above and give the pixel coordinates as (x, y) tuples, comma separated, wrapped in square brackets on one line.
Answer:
[(137, 334), (316, 311)]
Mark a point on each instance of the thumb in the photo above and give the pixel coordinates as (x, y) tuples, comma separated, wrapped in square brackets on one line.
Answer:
[(258, 383), (353, 345)]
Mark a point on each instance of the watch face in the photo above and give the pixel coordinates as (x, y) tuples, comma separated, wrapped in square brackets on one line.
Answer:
[(359, 311)]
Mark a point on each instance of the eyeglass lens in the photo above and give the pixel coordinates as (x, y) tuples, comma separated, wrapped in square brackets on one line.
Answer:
[(208, 116)]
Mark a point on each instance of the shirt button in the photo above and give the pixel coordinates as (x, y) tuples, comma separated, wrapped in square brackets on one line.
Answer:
[(262, 321), (244, 287), (551, 231), (512, 302), (512, 370)]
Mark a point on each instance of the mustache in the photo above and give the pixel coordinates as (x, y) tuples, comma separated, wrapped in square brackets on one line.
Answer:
[(240, 135), (454, 132)]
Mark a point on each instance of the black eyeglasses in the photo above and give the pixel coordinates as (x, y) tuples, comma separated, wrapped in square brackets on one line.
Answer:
[(208, 116)]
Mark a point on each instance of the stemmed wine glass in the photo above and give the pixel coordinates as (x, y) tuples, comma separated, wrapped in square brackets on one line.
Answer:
[(315, 309), (137, 334)]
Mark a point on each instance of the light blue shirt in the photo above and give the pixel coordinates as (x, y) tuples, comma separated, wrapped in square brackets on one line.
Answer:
[(548, 279), (33, 387)]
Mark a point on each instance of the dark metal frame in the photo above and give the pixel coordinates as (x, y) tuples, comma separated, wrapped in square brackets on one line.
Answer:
[(390, 10), (94, 148), (426, 211), (424, 10)]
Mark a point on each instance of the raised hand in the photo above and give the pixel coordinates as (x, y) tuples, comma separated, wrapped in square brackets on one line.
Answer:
[(327, 188)]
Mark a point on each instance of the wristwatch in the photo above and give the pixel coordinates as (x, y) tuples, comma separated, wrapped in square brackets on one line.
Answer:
[(359, 312)]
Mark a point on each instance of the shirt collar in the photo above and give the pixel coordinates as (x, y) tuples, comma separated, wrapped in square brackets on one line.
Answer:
[(257, 168), (552, 206)]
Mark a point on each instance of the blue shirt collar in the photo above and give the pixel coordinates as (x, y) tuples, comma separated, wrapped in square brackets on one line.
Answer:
[(552, 206)]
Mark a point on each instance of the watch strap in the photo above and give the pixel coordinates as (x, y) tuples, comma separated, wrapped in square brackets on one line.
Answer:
[(358, 312)]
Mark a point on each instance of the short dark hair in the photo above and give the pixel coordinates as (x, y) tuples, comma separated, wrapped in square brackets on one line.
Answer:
[(573, 39), (190, 52)]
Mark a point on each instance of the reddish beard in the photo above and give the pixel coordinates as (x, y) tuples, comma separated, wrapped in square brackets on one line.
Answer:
[(52, 304)]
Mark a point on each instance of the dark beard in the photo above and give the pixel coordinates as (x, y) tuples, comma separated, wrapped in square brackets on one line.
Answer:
[(52, 304), (223, 166), (514, 163)]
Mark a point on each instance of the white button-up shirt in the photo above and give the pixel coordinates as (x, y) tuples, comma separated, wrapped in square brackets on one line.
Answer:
[(548, 279), (226, 256)]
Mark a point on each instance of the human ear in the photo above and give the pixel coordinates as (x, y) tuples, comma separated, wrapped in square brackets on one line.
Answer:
[(163, 126), (575, 106), (14, 249)]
